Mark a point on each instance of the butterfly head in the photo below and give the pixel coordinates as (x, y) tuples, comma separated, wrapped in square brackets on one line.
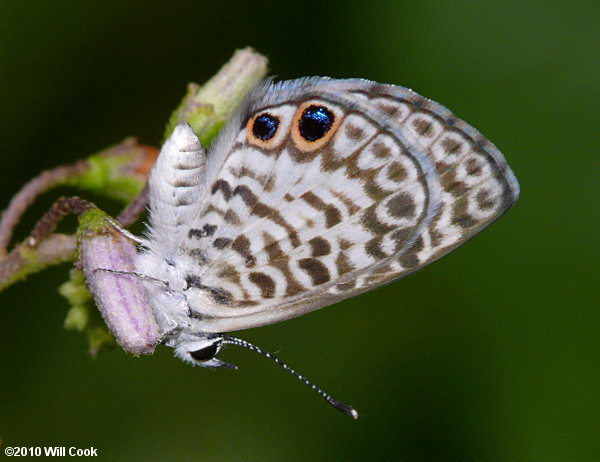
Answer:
[(201, 350)]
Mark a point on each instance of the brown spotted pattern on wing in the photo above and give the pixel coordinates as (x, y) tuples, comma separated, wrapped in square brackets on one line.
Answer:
[(306, 217), (292, 224), (476, 184)]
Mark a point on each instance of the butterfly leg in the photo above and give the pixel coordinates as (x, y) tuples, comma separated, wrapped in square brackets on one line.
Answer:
[(135, 274), (123, 231), (169, 334)]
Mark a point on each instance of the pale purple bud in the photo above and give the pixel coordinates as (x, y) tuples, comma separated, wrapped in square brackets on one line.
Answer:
[(119, 295)]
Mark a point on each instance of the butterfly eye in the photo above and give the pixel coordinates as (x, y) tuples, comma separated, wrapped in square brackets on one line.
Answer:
[(265, 126), (315, 122), (206, 353)]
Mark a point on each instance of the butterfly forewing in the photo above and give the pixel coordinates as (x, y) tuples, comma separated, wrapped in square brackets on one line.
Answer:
[(321, 189)]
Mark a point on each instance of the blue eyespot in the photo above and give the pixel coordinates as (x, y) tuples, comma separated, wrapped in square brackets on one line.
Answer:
[(315, 122), (265, 126)]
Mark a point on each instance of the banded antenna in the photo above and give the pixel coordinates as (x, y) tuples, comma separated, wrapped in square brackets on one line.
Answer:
[(348, 410)]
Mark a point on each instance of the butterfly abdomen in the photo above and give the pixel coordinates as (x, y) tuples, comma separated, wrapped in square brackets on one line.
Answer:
[(175, 185)]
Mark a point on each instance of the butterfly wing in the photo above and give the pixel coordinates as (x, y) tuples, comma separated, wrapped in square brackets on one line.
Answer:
[(292, 219)]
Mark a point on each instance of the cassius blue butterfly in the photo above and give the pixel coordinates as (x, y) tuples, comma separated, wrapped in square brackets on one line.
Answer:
[(315, 191)]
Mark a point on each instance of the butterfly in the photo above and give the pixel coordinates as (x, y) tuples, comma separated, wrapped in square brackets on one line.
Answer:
[(316, 190)]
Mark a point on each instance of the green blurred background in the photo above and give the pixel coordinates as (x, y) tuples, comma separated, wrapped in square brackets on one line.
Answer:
[(490, 354)]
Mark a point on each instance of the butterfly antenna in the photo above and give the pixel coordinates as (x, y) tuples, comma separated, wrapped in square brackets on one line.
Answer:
[(348, 410)]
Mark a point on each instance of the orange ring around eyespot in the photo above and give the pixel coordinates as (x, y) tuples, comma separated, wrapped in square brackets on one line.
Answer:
[(307, 146), (254, 140)]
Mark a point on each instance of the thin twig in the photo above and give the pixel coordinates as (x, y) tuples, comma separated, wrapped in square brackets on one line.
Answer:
[(117, 172), (27, 195), (61, 208), (24, 259), (130, 214)]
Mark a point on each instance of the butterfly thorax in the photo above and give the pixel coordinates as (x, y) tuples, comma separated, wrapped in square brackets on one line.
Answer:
[(168, 296)]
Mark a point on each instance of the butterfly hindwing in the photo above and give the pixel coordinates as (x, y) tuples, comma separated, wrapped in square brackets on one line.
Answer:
[(321, 189)]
